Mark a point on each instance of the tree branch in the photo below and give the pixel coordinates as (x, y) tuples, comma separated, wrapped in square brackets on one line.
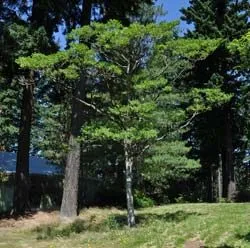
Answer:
[(89, 105), (164, 136), (112, 118), (189, 121)]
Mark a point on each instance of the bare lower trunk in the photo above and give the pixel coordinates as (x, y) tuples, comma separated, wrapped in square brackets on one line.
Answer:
[(211, 184), (129, 177), (229, 187), (70, 190), (69, 204), (219, 173), (22, 185)]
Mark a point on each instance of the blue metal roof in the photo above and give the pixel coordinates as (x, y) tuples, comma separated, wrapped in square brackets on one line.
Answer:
[(37, 165)]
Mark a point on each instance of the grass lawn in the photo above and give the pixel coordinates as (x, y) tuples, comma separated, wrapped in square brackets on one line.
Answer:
[(217, 225)]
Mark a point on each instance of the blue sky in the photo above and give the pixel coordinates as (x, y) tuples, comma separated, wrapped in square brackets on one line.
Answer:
[(173, 10), (171, 6)]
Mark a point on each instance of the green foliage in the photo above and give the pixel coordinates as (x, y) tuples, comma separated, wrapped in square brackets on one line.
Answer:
[(124, 48), (79, 56), (50, 132), (142, 201), (131, 91), (67, 67), (161, 167), (111, 222), (8, 115), (207, 99), (27, 41), (3, 177), (226, 19), (226, 71), (126, 51), (148, 13), (193, 49), (134, 119), (16, 40), (242, 47)]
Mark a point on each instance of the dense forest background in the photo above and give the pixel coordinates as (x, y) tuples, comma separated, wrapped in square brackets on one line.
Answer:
[(130, 101)]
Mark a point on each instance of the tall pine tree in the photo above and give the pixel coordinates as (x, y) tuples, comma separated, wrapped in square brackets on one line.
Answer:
[(217, 131)]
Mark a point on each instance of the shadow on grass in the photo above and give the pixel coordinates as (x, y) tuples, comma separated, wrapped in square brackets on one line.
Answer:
[(245, 237), (220, 246), (56, 231), (141, 219), (112, 222), (225, 246)]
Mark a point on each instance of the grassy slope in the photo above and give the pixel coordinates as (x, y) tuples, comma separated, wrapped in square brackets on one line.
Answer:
[(218, 225)]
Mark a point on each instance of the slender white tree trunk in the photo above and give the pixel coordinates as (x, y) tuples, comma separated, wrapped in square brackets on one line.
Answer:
[(129, 177), (220, 186)]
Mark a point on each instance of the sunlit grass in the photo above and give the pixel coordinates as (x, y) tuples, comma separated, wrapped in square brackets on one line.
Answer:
[(217, 225)]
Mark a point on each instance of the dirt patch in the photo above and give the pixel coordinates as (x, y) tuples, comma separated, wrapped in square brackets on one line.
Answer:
[(194, 243), (30, 220)]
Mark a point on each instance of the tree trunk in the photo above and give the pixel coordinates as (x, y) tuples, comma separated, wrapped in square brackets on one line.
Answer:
[(69, 204), (211, 197), (219, 173), (22, 185), (86, 12), (129, 177), (229, 187), (206, 163), (70, 190)]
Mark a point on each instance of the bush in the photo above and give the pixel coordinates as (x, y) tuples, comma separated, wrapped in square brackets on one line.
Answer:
[(3, 177), (111, 222), (77, 226), (142, 201)]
